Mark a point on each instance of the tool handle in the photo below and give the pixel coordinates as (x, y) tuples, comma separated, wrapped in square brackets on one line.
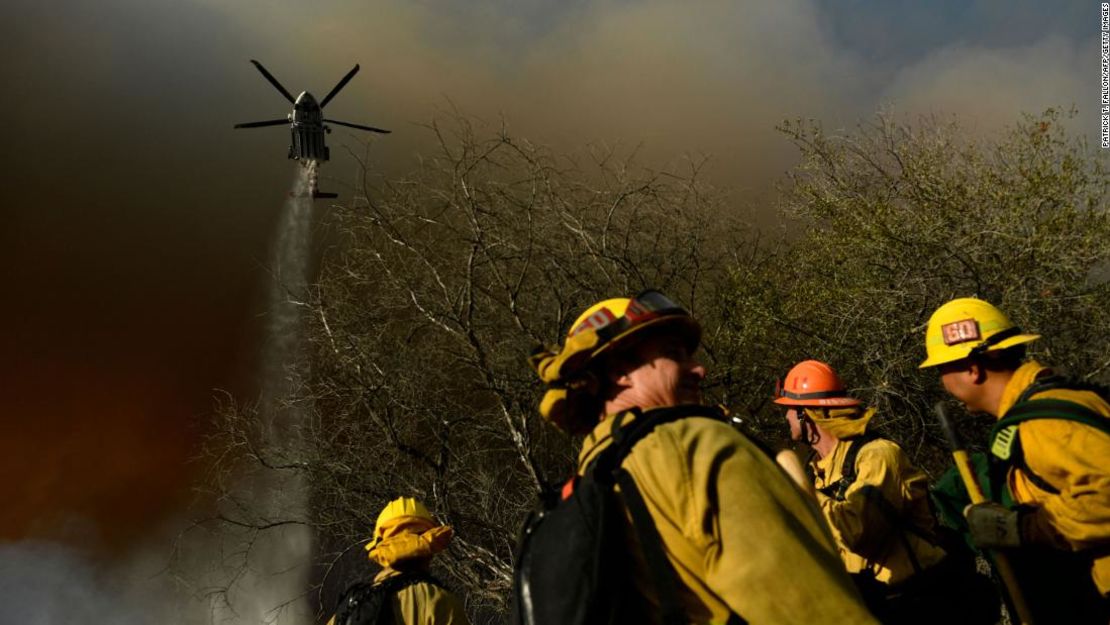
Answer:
[(1009, 581), (967, 474), (1002, 564), (950, 432)]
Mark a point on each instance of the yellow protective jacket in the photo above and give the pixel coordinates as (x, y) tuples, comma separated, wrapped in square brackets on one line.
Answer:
[(868, 534), (422, 604), (1075, 459), (741, 536)]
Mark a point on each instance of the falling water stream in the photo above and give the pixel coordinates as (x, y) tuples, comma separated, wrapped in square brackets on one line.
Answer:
[(266, 574), (281, 564)]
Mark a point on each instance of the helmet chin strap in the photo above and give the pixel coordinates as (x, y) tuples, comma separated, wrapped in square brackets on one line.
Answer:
[(810, 434)]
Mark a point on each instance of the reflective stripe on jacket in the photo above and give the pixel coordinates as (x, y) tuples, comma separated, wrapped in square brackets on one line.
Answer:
[(741, 536), (1075, 459), (868, 536)]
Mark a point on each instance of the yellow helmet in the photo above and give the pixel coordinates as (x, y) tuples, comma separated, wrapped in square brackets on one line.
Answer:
[(401, 510), (967, 327), (597, 330)]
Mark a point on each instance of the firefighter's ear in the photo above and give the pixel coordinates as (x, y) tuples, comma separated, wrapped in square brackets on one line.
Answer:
[(812, 434), (618, 381), (976, 371)]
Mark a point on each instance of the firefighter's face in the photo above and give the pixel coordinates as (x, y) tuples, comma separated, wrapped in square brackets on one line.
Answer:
[(666, 374)]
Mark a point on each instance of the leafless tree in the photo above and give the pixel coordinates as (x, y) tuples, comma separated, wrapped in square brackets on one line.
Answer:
[(413, 380), (433, 292)]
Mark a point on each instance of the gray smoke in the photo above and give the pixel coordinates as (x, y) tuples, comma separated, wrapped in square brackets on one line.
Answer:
[(209, 574), (48, 584)]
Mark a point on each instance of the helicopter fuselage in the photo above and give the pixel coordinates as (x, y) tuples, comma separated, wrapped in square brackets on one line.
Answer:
[(307, 129)]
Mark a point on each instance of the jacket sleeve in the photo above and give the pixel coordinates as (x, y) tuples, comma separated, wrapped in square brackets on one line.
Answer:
[(756, 530), (447, 609), (866, 517), (1074, 458)]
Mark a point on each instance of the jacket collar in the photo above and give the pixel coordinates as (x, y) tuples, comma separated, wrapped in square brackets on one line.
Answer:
[(1023, 377), (825, 468), (602, 436)]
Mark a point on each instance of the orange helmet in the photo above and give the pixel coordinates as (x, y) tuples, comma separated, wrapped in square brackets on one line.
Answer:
[(813, 383)]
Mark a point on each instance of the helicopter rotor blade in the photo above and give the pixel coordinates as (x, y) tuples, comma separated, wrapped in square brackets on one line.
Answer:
[(342, 83), (269, 122), (359, 126), (274, 81)]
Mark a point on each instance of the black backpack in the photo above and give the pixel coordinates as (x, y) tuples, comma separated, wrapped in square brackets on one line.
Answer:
[(573, 567), (369, 604)]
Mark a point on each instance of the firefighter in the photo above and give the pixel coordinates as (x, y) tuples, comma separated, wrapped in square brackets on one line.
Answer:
[(877, 503), (1049, 455), (406, 538), (743, 541)]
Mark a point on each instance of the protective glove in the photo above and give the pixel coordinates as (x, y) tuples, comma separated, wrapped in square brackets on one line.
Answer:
[(993, 525)]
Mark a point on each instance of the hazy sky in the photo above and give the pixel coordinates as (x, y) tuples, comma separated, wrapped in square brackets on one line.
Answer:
[(136, 231)]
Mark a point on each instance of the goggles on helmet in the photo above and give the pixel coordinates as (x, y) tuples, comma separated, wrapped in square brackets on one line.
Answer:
[(650, 304)]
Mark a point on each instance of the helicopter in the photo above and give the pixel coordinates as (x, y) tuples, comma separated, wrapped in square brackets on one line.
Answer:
[(306, 124)]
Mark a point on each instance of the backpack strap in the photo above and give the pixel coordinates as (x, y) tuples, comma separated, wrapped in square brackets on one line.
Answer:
[(651, 543), (1005, 439), (369, 604), (354, 599), (839, 489), (608, 466), (625, 436), (1052, 409), (848, 475), (376, 599), (1005, 436), (1055, 381)]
